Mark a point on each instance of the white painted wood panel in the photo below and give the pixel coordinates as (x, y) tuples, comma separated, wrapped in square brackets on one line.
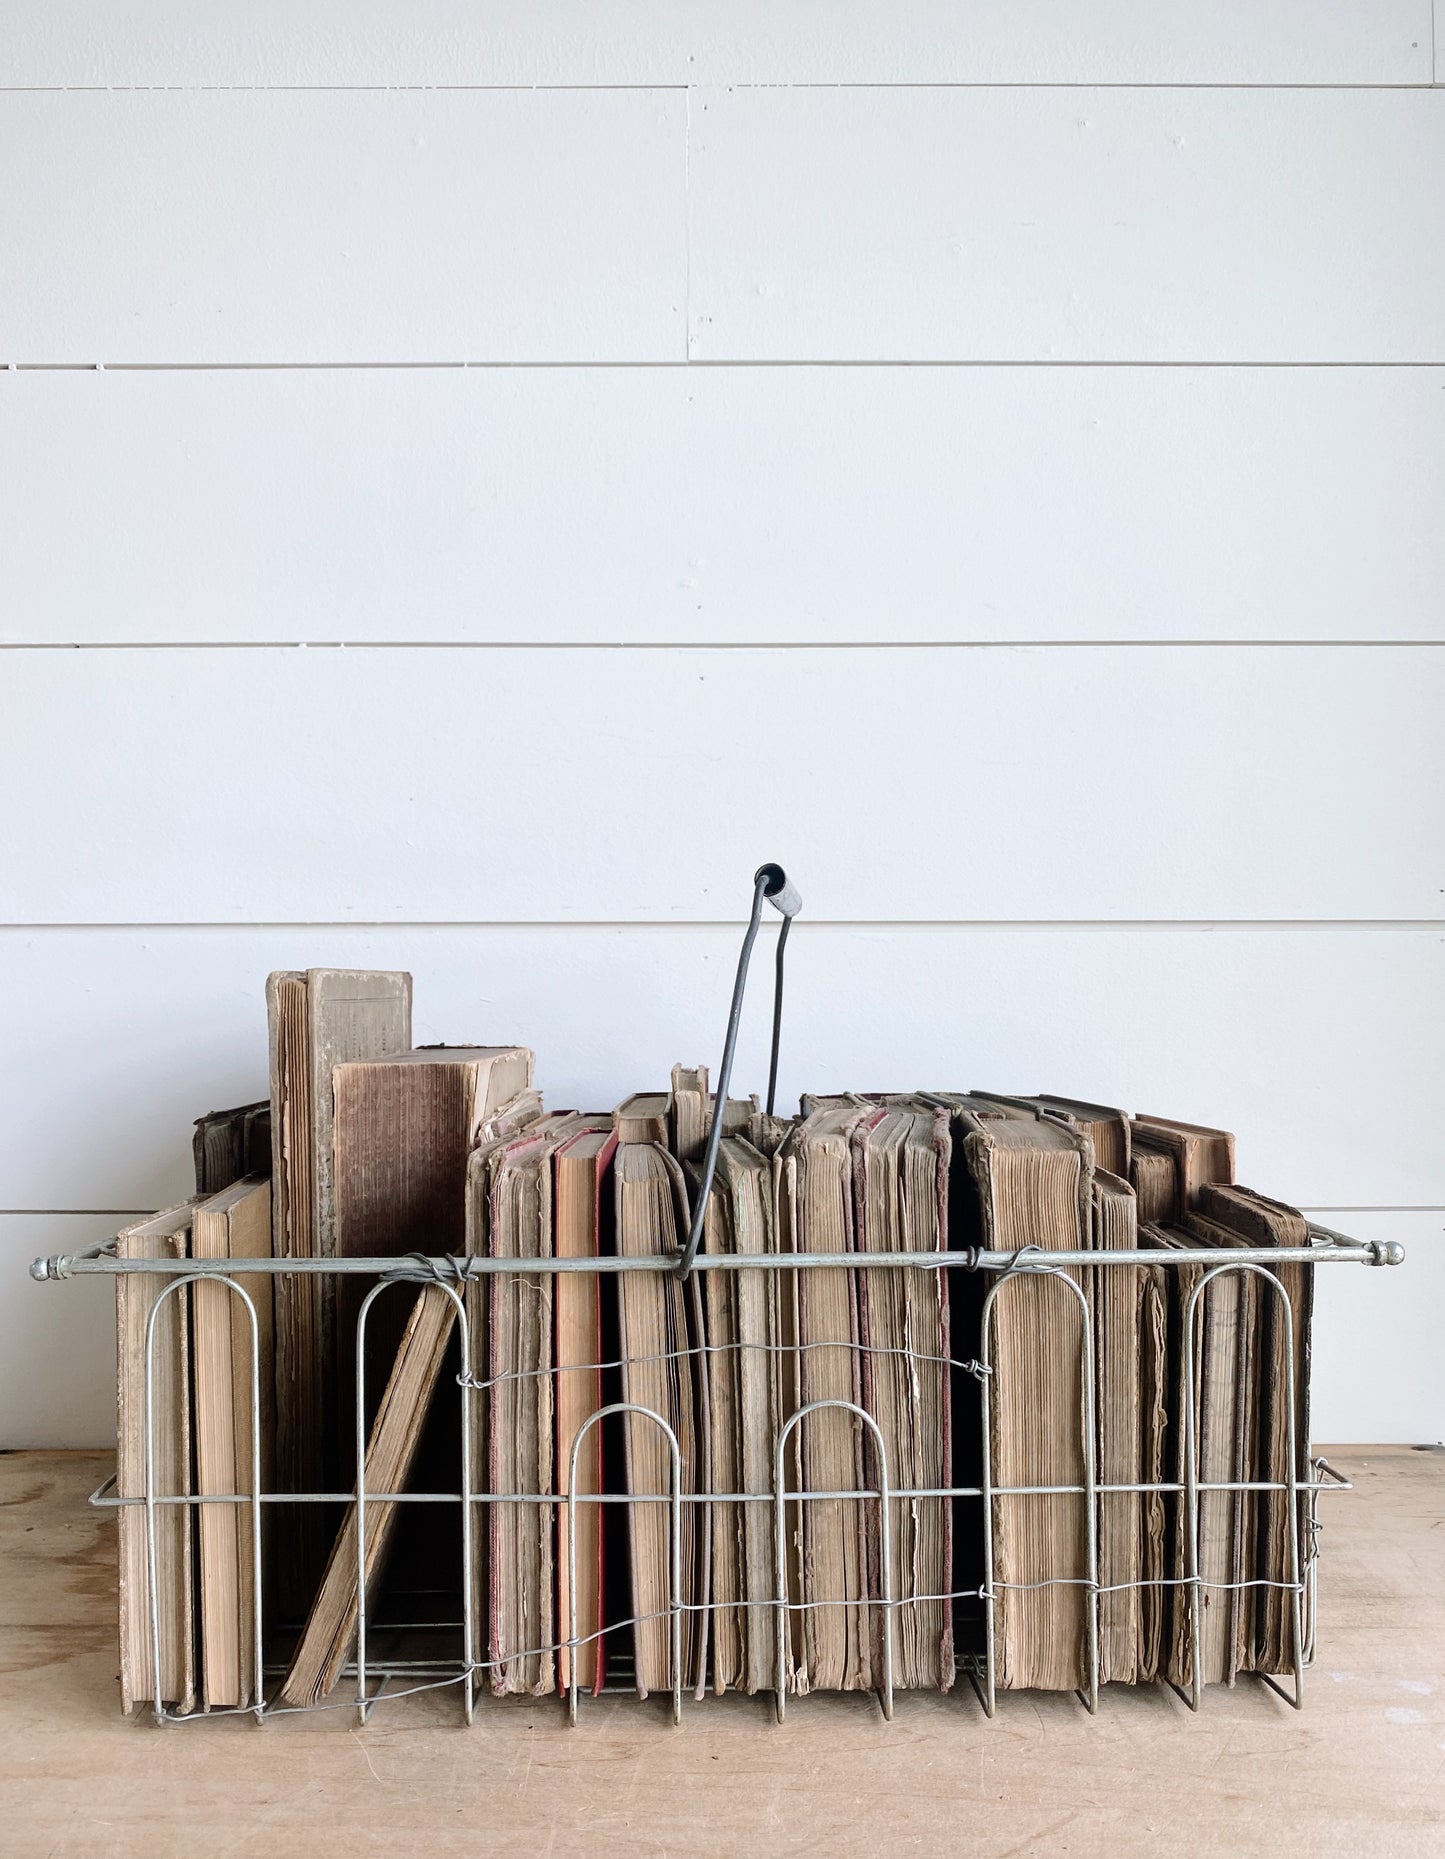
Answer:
[(329, 226), (57, 1354), (887, 224), (499, 785), (324, 785), (64, 42), (1320, 1048), (734, 504), (1379, 1371)]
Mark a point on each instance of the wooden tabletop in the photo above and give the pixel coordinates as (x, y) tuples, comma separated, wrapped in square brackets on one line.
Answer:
[(1362, 1771)]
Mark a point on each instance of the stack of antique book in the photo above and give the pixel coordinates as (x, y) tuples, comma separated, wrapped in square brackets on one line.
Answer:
[(376, 1149)]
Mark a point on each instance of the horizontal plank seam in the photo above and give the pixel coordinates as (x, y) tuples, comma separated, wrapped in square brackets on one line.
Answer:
[(12, 366), (704, 645), (645, 86), (802, 925)]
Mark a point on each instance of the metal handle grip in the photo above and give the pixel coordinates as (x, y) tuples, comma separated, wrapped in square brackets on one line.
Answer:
[(779, 889)]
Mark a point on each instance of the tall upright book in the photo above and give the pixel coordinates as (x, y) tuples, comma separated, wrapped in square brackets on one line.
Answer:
[(1122, 1447), (500, 1127), (1032, 1179), (316, 1019), (657, 1374), (832, 1640), (747, 1387), (234, 1224), (582, 1198), (1214, 1370), (164, 1236), (522, 1585), (1280, 1347), (900, 1181), (1126, 1313)]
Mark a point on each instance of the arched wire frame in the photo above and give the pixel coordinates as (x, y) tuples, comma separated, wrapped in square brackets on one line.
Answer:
[(781, 1498), (363, 1702), (674, 1517), (1300, 1489), (1193, 1316), (257, 1706), (1089, 1490)]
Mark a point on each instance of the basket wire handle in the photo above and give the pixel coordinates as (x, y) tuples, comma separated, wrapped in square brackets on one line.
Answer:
[(770, 882)]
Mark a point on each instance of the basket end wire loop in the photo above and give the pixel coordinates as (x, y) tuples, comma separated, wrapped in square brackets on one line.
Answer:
[(439, 1280), (771, 884), (1022, 1266), (676, 1605), (177, 1287), (781, 1496)]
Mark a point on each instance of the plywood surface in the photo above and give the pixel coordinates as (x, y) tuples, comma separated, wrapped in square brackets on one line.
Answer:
[(1356, 1775)]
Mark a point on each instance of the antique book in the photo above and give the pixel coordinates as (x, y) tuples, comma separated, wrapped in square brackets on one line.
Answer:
[(1106, 1128), (1032, 1177), (1260, 1222), (812, 1102), (688, 1112), (1196, 1153), (739, 1114), (234, 1224), (522, 1587), (518, 1114), (316, 1019), (164, 1236), (1121, 1451), (642, 1118), (404, 1126), (582, 1198), (746, 1390), (767, 1133), (831, 1637), (658, 1373), (1156, 1599), (228, 1144), (1246, 1445), (1155, 1181), (403, 1129), (1221, 1356), (329, 1635), (900, 1180)]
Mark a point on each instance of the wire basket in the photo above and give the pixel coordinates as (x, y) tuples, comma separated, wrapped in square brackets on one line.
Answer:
[(390, 1679)]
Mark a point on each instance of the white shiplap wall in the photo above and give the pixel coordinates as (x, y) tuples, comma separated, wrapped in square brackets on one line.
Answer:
[(474, 480)]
